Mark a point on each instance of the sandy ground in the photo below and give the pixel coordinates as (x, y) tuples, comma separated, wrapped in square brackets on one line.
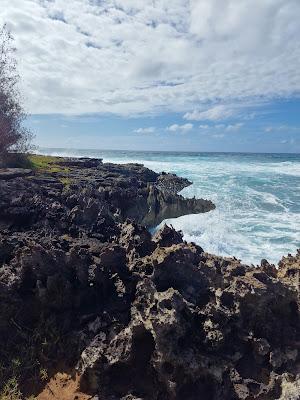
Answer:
[(63, 387)]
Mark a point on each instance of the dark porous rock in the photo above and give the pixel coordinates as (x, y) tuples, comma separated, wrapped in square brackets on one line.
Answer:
[(11, 173), (172, 183), (289, 270), (81, 162), (85, 197), (167, 236), (164, 205), (140, 316), (195, 334)]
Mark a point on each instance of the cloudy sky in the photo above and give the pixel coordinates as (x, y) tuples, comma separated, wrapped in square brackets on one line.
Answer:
[(202, 75)]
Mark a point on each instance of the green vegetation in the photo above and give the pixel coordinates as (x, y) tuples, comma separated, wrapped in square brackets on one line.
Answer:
[(34, 161), (66, 182), (49, 164), (46, 163), (11, 390), (13, 135), (39, 163), (26, 359)]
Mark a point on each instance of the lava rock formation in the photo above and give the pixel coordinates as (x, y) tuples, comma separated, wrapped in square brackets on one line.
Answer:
[(139, 316)]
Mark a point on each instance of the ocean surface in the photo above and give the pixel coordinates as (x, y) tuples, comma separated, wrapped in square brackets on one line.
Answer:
[(257, 198)]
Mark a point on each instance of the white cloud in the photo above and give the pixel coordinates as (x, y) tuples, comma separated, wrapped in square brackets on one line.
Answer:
[(130, 57), (204, 126), (269, 129), (234, 127), (151, 129), (227, 128), (282, 128), (288, 141), (216, 113), (180, 128)]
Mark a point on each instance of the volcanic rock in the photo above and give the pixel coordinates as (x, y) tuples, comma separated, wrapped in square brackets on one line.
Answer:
[(140, 316)]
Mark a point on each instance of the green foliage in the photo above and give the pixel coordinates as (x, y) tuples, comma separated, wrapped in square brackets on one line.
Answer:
[(66, 182), (36, 162), (43, 374), (13, 134), (30, 354), (11, 390), (46, 163)]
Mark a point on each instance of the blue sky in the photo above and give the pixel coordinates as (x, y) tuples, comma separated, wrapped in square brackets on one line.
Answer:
[(192, 75), (273, 127)]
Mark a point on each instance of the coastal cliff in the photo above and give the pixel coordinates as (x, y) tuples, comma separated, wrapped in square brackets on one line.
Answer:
[(79, 194), (85, 288)]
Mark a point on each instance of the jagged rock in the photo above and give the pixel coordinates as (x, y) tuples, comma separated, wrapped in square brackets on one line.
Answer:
[(164, 205), (167, 236), (12, 173), (289, 271), (171, 183), (95, 192), (290, 387), (81, 162), (142, 316)]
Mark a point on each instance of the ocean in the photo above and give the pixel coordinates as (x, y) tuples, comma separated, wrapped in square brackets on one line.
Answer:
[(257, 198)]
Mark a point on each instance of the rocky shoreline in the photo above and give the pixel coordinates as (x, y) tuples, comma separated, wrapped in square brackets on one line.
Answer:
[(135, 316)]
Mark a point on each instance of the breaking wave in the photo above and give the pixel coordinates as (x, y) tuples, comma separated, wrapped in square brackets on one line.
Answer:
[(257, 198)]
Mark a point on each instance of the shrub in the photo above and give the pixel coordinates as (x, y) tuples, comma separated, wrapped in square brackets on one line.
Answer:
[(14, 137)]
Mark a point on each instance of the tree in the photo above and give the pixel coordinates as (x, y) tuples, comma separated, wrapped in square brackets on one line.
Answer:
[(14, 137)]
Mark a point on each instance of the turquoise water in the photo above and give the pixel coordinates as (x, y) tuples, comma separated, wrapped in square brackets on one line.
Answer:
[(257, 198)]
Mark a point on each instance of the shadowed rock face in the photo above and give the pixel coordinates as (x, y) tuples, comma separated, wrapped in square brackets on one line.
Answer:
[(141, 316)]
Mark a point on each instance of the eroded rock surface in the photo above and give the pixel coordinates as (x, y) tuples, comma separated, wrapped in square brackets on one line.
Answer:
[(141, 316), (89, 193)]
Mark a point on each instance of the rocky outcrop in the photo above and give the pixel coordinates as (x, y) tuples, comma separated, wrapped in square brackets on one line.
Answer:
[(140, 316), (201, 327), (154, 318), (171, 183), (81, 162), (11, 173), (90, 193)]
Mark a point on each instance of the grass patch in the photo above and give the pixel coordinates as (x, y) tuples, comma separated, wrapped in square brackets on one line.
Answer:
[(33, 161), (11, 390), (27, 360), (46, 163), (66, 182)]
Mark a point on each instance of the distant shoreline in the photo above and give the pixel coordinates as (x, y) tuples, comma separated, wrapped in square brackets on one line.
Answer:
[(40, 148)]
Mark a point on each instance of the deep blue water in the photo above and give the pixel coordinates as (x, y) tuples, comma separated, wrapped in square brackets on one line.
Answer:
[(257, 198)]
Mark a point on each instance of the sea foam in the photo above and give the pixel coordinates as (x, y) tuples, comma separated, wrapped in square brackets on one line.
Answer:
[(257, 199)]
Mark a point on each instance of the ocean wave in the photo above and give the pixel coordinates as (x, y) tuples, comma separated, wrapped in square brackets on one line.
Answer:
[(258, 206)]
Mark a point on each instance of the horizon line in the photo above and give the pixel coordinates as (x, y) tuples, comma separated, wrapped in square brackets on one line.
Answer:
[(165, 151)]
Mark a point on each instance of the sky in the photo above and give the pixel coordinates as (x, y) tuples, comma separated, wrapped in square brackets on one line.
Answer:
[(180, 75)]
